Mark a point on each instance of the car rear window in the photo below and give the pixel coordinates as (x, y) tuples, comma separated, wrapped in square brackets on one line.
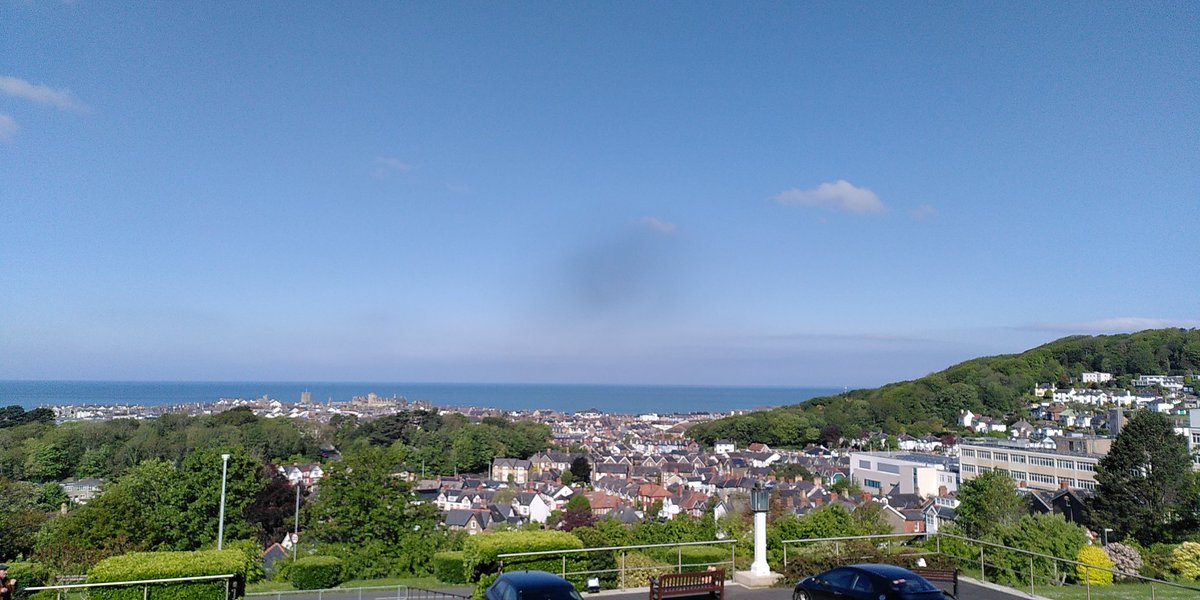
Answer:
[(912, 586)]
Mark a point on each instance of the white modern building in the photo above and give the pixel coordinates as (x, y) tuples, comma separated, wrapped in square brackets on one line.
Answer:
[(1096, 377), (1171, 382), (1071, 463), (910, 473)]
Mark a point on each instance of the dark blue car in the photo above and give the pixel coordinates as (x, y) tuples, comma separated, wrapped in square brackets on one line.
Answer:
[(531, 585), (867, 582)]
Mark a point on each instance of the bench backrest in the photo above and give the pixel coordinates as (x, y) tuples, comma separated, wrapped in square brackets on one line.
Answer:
[(691, 578)]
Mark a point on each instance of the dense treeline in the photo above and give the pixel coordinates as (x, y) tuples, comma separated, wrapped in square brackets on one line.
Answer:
[(162, 482), (996, 386), (448, 443)]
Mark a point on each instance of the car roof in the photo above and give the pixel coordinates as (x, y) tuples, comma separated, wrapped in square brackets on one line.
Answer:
[(886, 571), (534, 580)]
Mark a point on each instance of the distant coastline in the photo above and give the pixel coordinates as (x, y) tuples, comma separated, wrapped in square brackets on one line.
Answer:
[(626, 399)]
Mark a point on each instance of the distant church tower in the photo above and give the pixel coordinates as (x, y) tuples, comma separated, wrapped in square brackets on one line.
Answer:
[(305, 397)]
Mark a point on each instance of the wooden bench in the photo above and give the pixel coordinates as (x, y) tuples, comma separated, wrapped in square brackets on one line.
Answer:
[(941, 576), (688, 584)]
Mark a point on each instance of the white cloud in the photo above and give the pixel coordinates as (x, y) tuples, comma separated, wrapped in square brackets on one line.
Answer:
[(8, 127), (923, 212), (838, 195), (1117, 325), (42, 94), (656, 225), (385, 165)]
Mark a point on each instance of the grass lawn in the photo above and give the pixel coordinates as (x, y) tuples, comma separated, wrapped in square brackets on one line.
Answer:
[(420, 582), (1120, 591)]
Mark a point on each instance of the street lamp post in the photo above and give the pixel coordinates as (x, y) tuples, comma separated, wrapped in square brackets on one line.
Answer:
[(1106, 530), (759, 503), (296, 531), (221, 518)]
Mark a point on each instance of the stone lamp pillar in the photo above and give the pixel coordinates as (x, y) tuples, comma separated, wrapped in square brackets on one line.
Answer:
[(760, 499)]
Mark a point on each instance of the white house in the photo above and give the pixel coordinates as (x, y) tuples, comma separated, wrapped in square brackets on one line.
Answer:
[(1095, 377)]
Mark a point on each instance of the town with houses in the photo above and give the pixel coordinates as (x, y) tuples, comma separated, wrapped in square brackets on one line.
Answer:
[(644, 467)]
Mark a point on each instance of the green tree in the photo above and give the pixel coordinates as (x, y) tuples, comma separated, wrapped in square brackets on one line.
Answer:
[(1145, 485), (197, 497), (20, 518), (987, 502), (581, 469)]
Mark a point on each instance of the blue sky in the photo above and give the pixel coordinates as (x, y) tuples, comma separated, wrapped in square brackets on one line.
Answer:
[(694, 193)]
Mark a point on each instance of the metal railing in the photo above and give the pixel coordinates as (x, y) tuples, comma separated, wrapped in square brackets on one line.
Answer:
[(63, 590), (621, 569), (1056, 578), (838, 541), (1055, 569), (369, 592)]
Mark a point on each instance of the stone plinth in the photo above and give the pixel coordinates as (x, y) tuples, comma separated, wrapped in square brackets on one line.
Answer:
[(750, 580)]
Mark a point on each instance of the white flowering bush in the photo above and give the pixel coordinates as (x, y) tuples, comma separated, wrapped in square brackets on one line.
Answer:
[(1126, 559)]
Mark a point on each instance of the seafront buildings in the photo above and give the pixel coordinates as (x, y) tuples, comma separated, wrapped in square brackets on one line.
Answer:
[(644, 466)]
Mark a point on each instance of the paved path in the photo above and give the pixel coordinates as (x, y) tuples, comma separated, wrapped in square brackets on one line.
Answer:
[(968, 589)]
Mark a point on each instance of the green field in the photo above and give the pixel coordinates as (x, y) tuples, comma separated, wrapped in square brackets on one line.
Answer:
[(1121, 591)]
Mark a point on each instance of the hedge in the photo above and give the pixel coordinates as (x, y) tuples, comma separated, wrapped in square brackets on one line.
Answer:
[(27, 574), (137, 566), (448, 567), (694, 558), (481, 553), (640, 569), (316, 572)]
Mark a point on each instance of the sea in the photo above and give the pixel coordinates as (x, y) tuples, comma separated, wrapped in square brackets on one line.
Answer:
[(621, 399)]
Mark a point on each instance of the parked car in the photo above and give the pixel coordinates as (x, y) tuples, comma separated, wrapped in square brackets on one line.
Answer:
[(867, 582), (531, 585)]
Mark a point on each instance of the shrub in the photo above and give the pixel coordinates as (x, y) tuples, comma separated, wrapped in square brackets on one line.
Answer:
[(1096, 557), (316, 572), (253, 554), (693, 558), (448, 567), (1185, 560), (481, 555), (640, 569), (1127, 561), (163, 565), (27, 574)]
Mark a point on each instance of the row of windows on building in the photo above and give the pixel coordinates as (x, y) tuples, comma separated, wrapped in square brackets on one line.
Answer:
[(1035, 477), (1040, 461)]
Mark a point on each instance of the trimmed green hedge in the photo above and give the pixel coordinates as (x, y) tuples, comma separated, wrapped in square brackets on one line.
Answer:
[(481, 560), (137, 566), (694, 558), (27, 574), (448, 567), (316, 572)]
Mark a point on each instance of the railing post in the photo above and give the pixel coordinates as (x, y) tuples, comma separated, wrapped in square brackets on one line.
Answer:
[(837, 550), (785, 556), (1087, 577), (732, 558), (1054, 565), (679, 558), (359, 593), (564, 573), (1031, 577), (1152, 590), (146, 592), (982, 568), (938, 540)]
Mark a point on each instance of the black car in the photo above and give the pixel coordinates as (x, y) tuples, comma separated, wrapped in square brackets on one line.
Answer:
[(867, 582), (531, 585)]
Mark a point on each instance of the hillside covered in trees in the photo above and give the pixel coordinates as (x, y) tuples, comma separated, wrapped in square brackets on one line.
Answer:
[(997, 386)]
